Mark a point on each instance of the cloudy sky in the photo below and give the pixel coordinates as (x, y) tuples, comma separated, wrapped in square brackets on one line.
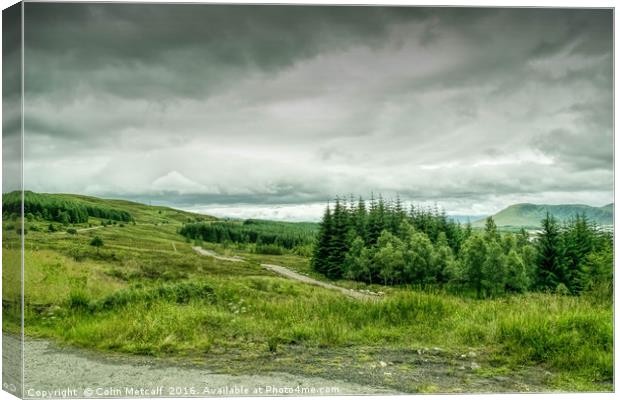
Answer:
[(270, 111)]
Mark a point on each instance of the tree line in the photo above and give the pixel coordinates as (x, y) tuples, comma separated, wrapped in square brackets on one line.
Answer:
[(287, 235), (381, 242), (55, 208)]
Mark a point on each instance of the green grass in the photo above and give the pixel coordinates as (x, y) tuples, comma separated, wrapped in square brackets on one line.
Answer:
[(147, 292)]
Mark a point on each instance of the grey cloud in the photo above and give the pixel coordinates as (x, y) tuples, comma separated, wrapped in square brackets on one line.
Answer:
[(283, 104)]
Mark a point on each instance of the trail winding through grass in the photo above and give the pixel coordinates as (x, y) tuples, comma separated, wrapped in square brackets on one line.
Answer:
[(210, 253), (288, 273), (278, 269)]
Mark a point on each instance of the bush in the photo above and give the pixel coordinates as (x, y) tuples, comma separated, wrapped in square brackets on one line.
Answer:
[(271, 249), (72, 231), (77, 254), (79, 300), (180, 293), (96, 242)]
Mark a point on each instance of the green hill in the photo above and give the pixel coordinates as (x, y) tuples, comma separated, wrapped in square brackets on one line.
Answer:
[(530, 215), (79, 208)]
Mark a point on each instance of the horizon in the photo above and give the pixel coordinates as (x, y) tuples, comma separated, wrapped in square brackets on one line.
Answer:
[(276, 115), (282, 212)]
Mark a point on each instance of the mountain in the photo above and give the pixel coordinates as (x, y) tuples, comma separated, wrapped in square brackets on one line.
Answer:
[(530, 215), (463, 218)]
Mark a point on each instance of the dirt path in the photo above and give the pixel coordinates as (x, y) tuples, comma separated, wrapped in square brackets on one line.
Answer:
[(90, 229), (80, 372), (278, 269), (210, 253)]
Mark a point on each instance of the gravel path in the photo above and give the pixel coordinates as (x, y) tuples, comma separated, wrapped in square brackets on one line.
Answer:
[(278, 269), (90, 229), (210, 253), (82, 373)]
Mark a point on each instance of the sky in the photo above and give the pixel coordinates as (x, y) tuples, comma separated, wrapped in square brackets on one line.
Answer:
[(271, 111)]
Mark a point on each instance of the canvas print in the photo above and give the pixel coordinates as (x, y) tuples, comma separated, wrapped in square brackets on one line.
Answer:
[(210, 200)]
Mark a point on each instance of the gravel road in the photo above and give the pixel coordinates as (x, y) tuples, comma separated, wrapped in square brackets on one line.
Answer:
[(53, 371)]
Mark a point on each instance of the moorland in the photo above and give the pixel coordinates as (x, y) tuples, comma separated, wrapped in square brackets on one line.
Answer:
[(439, 306)]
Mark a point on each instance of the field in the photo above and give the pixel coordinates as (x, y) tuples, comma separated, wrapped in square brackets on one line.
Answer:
[(147, 292)]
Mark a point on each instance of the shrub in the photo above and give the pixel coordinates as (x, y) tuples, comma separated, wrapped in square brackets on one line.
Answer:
[(180, 293), (270, 249), (78, 300)]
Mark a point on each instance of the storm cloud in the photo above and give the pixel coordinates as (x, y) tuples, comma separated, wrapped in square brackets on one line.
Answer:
[(278, 107)]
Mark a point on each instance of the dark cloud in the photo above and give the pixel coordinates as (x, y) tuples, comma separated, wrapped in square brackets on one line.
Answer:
[(196, 104), (11, 99)]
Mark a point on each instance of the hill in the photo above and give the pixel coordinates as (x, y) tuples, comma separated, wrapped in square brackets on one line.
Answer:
[(530, 215), (76, 208)]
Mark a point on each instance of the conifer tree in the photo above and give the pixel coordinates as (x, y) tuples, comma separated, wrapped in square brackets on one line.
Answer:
[(550, 269), (320, 258), (360, 218), (578, 242), (338, 244), (375, 222), (490, 230)]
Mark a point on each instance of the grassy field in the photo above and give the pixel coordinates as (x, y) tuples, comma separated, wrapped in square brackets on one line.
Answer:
[(147, 292)]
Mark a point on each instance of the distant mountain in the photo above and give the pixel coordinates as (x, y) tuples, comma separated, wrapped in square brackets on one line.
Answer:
[(530, 215), (463, 219)]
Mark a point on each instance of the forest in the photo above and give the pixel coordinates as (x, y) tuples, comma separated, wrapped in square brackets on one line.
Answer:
[(56, 208), (384, 243), (269, 236)]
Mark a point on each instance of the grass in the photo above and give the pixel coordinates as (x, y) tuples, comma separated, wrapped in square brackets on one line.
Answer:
[(147, 292)]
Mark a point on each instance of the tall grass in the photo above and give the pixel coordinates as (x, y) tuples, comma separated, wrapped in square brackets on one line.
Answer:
[(565, 333)]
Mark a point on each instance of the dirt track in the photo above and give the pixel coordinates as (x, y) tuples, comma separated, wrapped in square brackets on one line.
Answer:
[(50, 367), (280, 270), (210, 253)]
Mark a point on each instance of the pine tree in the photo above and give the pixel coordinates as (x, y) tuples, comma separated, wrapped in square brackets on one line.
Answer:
[(360, 218), (490, 230), (550, 269), (578, 242), (338, 244), (397, 215), (468, 230), (375, 221), (523, 238), (320, 259)]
